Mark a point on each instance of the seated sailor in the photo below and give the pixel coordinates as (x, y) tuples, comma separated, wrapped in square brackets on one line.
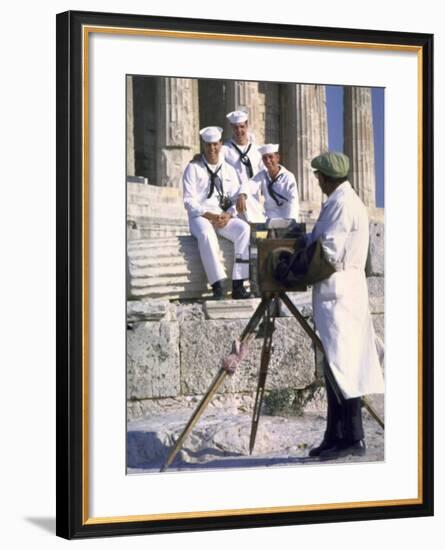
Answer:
[(275, 184), (211, 188), (242, 153)]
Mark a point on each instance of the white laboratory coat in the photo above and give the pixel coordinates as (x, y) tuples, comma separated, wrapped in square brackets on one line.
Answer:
[(285, 185), (340, 303)]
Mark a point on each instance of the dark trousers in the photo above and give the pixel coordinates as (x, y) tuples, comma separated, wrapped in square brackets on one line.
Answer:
[(344, 418)]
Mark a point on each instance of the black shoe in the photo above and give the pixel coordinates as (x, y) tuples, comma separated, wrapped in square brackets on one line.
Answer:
[(344, 448), (325, 445), (238, 290), (219, 290)]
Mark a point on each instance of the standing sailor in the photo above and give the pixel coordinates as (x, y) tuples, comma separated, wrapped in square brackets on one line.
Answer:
[(210, 191), (243, 155), (276, 184)]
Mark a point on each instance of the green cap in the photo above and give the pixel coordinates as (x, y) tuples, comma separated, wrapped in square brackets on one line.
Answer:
[(334, 165)]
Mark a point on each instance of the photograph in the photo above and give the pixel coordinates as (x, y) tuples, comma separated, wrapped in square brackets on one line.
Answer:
[(221, 245), (244, 274), (231, 187)]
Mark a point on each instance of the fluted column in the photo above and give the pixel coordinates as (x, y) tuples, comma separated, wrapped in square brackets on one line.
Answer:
[(246, 96), (178, 128), (359, 141), (304, 136), (130, 128)]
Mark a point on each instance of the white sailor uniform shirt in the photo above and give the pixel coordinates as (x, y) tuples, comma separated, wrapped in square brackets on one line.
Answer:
[(197, 187), (280, 194), (239, 156)]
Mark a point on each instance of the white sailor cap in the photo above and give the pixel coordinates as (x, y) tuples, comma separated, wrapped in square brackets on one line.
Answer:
[(269, 148), (236, 117), (211, 134)]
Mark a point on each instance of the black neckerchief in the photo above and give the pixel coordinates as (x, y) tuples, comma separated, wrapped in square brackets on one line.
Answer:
[(213, 175), (244, 158), (274, 194)]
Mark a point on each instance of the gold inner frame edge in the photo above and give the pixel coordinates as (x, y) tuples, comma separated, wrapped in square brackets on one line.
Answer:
[(127, 31)]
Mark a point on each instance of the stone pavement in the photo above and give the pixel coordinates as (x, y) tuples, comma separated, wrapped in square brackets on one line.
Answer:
[(221, 440)]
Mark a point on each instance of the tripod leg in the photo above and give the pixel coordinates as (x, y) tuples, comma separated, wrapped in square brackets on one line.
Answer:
[(246, 337), (264, 364), (311, 333), (372, 412), (217, 381)]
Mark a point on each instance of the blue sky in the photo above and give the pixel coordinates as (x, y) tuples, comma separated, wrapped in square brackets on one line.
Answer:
[(334, 98)]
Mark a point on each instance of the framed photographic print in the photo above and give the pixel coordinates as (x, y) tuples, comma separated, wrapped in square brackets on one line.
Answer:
[(208, 377)]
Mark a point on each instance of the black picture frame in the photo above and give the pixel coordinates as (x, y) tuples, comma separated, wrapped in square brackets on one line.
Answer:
[(72, 305)]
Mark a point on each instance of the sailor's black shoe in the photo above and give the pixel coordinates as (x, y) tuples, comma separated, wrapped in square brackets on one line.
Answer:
[(344, 448), (218, 290), (325, 445), (238, 290)]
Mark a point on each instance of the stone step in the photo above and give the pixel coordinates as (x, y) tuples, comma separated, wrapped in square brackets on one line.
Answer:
[(140, 194), (153, 211), (164, 284), (170, 267)]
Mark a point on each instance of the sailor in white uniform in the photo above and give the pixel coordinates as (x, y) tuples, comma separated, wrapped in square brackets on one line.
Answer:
[(241, 152), (275, 184), (211, 188)]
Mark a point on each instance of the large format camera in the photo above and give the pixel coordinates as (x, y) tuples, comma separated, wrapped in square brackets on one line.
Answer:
[(269, 242)]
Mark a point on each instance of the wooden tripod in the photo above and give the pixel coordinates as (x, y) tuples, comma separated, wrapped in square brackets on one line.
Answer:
[(264, 312)]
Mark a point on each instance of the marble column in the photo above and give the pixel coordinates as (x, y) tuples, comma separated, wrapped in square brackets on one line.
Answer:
[(130, 128), (359, 141), (177, 114), (246, 96), (304, 135), (212, 106)]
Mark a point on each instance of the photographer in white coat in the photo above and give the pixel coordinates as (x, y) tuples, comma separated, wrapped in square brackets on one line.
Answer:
[(210, 191), (340, 308), (275, 184)]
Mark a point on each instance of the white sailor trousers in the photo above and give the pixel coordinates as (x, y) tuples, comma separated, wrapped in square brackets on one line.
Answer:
[(236, 231)]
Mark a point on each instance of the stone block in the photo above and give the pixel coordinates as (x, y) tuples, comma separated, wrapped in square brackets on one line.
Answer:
[(376, 214), (377, 304), (376, 258), (379, 325), (230, 309), (301, 300), (204, 344), (150, 310), (376, 287), (153, 360), (189, 312)]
